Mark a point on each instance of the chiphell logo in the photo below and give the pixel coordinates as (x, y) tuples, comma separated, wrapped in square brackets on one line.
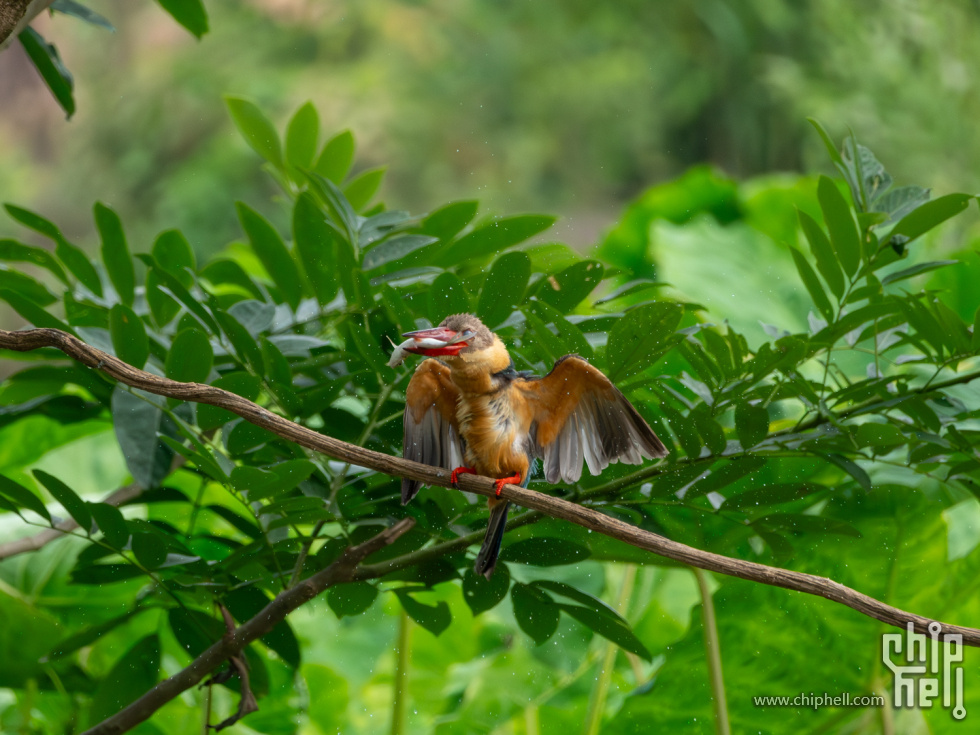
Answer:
[(917, 679)]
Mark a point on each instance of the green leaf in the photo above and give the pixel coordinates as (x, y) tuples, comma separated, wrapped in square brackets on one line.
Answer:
[(341, 212), (805, 523), (823, 253), (149, 547), (115, 253), (504, 288), (174, 254), (975, 340), (111, 522), (19, 253), (129, 340), (640, 338), (360, 190), (535, 612), (33, 313), (132, 676), (23, 497), (48, 63), (90, 634), (916, 270), (828, 143), (449, 220), (616, 631), (301, 136), (850, 468), (316, 244), (77, 10), (482, 594), (565, 290), (496, 235), (434, 618), (843, 230), (751, 424), (190, 357), (281, 478), (772, 495), (137, 419), (256, 128), (929, 215), (812, 284), (352, 598), (76, 507), (72, 256), (873, 434), (545, 551), (189, 13), (163, 307), (27, 287), (336, 158), (447, 296), (395, 249), (731, 471), (270, 248), (247, 350)]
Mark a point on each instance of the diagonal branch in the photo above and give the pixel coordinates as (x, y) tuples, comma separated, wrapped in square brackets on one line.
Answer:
[(556, 507), (342, 570)]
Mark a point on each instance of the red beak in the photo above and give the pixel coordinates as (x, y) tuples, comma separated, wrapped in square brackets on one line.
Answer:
[(452, 344)]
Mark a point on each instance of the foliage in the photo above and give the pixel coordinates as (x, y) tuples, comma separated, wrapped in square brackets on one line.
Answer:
[(189, 13), (845, 449)]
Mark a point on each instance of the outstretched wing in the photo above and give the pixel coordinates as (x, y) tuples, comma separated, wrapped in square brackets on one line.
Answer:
[(431, 429), (578, 414)]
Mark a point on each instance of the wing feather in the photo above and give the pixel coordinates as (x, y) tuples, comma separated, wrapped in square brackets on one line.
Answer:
[(579, 415), (430, 423)]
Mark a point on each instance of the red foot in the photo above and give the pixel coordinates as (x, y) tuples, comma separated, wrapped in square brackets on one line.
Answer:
[(454, 475), (512, 480)]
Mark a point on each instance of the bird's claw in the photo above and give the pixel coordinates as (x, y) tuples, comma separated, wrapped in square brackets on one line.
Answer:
[(454, 475), (499, 484)]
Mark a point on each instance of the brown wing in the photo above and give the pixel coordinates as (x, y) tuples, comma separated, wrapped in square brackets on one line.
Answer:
[(431, 429), (577, 414)]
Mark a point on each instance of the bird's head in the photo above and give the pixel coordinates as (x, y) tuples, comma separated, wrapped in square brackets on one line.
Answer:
[(459, 338)]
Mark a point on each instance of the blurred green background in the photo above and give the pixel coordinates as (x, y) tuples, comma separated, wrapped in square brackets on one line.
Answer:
[(572, 107)]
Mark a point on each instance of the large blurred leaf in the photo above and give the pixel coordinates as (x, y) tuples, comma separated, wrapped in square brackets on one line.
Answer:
[(132, 676), (536, 613), (254, 126), (504, 288), (336, 158), (137, 418), (434, 618), (352, 598), (302, 135), (639, 338)]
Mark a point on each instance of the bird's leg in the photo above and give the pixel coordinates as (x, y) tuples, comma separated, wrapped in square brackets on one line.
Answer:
[(512, 480), (454, 475)]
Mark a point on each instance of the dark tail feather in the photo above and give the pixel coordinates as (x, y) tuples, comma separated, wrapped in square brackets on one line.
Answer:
[(410, 488), (486, 560)]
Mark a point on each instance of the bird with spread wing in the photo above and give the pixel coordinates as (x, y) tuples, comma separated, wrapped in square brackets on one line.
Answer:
[(470, 411)]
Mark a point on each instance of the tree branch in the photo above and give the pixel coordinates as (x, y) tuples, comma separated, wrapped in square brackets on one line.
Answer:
[(39, 540), (556, 507), (342, 570), (16, 15)]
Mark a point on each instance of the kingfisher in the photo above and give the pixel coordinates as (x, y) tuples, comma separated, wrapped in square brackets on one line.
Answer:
[(469, 411)]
